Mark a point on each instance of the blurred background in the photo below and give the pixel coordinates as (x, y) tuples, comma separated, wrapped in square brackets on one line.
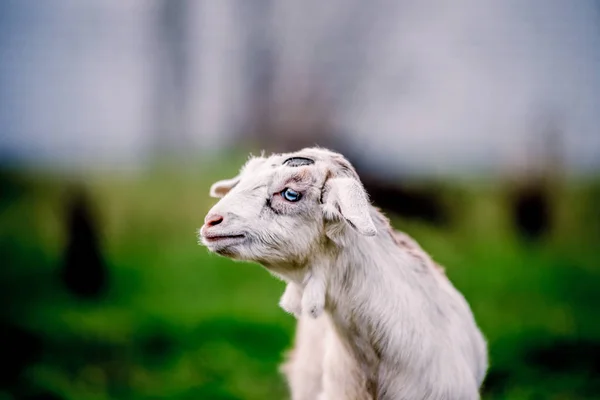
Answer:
[(473, 124)]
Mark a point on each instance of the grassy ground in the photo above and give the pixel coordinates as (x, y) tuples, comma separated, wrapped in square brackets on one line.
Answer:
[(178, 323)]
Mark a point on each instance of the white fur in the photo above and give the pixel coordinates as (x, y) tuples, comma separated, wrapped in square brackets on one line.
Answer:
[(377, 318), (291, 300)]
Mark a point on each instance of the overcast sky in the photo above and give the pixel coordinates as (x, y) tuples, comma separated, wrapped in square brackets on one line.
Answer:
[(429, 84)]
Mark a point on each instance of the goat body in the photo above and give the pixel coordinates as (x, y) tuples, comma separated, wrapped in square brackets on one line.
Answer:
[(389, 306), (377, 317)]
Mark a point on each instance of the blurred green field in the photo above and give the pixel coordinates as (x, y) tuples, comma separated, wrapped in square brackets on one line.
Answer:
[(179, 323)]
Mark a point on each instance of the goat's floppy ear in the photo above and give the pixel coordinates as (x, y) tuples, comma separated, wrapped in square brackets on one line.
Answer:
[(347, 199), (221, 188)]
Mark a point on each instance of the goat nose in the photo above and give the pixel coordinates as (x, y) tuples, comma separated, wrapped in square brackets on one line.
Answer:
[(213, 219)]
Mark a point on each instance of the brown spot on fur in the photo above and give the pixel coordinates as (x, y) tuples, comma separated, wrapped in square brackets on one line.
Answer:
[(401, 242), (328, 175), (346, 168), (420, 258), (371, 386), (302, 176), (346, 280), (412, 248)]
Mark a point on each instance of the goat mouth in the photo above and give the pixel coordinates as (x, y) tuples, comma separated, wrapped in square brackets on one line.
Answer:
[(215, 238), (223, 240)]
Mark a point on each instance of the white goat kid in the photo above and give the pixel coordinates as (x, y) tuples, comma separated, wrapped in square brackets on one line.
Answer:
[(378, 319)]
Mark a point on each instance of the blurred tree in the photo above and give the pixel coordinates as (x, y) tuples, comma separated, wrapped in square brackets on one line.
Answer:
[(172, 78), (84, 272), (20, 348), (531, 199), (531, 210)]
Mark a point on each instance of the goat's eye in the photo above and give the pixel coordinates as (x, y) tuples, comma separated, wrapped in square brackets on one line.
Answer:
[(290, 195)]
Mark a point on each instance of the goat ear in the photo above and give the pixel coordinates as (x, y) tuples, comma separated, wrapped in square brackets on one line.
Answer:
[(221, 188), (346, 198)]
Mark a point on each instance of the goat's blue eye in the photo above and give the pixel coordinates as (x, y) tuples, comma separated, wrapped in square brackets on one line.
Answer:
[(290, 195)]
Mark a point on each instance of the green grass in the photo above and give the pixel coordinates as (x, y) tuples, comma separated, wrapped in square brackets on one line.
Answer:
[(179, 323)]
